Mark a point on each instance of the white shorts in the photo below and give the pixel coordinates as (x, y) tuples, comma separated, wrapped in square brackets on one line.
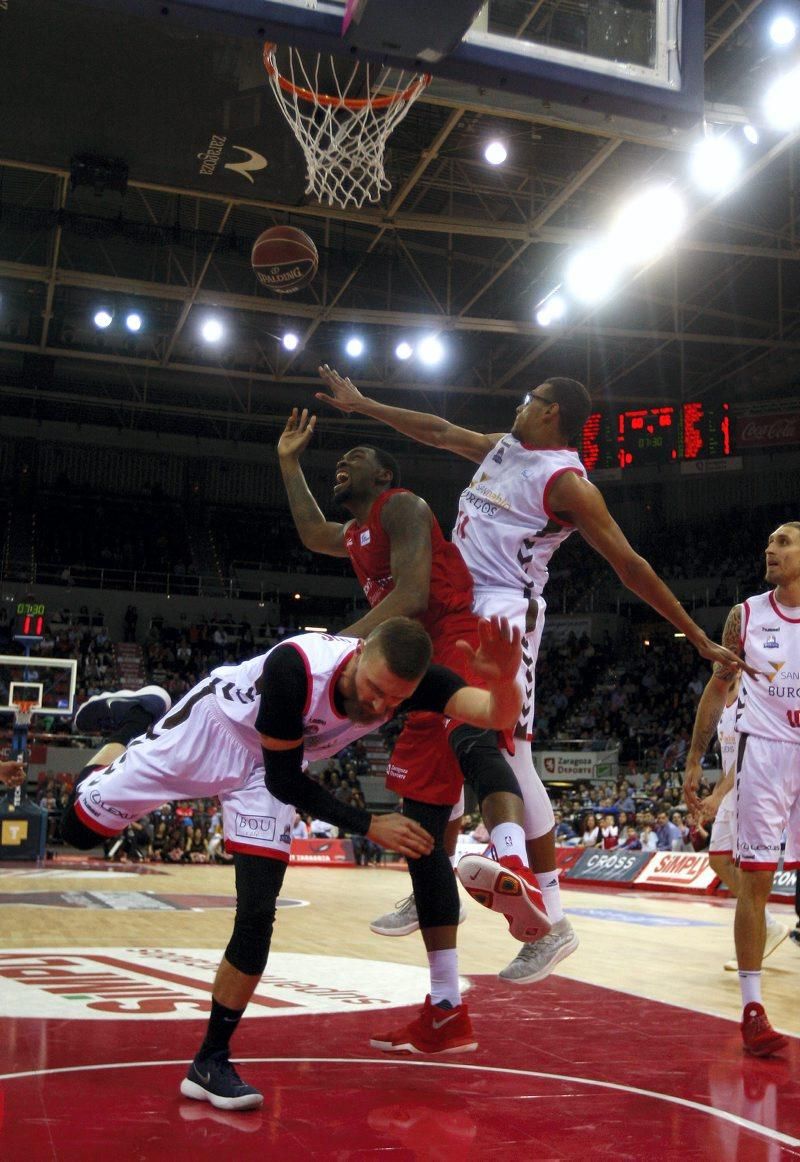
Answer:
[(539, 818), (723, 831), (514, 606), (767, 802), (193, 755)]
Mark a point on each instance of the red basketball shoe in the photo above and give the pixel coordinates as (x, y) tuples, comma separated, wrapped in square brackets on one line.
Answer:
[(435, 1030), (758, 1036), (506, 886)]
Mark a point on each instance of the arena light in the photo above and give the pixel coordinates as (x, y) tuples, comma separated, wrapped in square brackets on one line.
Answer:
[(354, 346), (782, 30), (430, 350), (404, 350), (315, 628), (648, 224), (782, 101), (103, 318), (751, 134), (290, 341), (551, 310), (592, 273), (495, 153), (133, 321), (212, 330), (716, 163)]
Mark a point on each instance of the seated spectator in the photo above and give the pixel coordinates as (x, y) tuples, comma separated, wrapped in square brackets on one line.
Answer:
[(609, 833), (629, 839), (299, 827), (565, 832), (668, 836), (322, 830), (649, 839), (590, 835)]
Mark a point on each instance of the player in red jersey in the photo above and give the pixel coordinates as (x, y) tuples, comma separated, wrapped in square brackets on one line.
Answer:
[(404, 563)]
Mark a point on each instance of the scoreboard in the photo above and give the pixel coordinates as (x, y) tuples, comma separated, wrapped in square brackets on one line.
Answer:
[(625, 439)]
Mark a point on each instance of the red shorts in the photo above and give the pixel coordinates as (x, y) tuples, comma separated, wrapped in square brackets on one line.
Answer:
[(422, 765)]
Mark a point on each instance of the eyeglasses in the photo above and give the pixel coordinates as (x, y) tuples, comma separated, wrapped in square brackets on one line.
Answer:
[(531, 395)]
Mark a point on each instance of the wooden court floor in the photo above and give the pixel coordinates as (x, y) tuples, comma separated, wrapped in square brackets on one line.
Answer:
[(630, 1050)]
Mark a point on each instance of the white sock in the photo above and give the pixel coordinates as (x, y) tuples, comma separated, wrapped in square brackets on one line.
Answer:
[(509, 839), (551, 894), (444, 976), (770, 919), (750, 984)]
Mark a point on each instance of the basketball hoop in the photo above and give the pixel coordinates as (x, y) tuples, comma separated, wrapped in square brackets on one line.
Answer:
[(343, 137)]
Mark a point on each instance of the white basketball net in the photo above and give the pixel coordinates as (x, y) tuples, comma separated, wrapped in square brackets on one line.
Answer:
[(343, 136)]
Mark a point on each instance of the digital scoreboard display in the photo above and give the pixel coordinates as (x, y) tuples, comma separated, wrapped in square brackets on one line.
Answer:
[(662, 435), (28, 621)]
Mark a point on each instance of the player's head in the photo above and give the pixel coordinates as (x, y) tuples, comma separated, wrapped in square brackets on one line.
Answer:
[(387, 670), (556, 410), (783, 554), (364, 472)]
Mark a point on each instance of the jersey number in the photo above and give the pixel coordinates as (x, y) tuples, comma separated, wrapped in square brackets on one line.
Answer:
[(461, 525)]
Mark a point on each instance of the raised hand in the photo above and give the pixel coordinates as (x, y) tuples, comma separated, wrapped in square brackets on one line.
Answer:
[(499, 652), (12, 773), (397, 833), (297, 434), (346, 395)]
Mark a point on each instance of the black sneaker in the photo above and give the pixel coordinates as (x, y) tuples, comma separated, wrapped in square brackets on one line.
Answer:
[(795, 935), (215, 1080), (105, 712)]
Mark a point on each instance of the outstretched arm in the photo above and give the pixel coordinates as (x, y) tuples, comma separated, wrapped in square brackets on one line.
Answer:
[(496, 661), (423, 427), (12, 773), (317, 534), (406, 519), (577, 501), (709, 711)]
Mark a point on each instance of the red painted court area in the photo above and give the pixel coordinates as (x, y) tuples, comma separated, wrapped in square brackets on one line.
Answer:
[(564, 1070)]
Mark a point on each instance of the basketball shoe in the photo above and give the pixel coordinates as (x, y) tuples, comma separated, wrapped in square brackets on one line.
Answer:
[(104, 712), (506, 886), (404, 920), (214, 1079), (435, 1030), (535, 961), (758, 1036), (776, 934)]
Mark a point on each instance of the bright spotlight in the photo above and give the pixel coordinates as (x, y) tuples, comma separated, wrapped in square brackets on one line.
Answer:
[(354, 346), (430, 351), (103, 318), (751, 134), (592, 273), (551, 310), (495, 153), (133, 321), (648, 224), (543, 317), (404, 350), (782, 101), (782, 31), (715, 164), (290, 341), (212, 330)]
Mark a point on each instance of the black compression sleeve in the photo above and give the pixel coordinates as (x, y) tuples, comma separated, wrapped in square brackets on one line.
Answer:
[(284, 689), (285, 780), (438, 685)]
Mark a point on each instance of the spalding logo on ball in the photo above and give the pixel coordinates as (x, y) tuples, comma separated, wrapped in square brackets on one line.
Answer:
[(284, 259)]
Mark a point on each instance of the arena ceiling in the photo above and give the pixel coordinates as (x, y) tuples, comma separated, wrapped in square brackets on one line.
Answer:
[(456, 247)]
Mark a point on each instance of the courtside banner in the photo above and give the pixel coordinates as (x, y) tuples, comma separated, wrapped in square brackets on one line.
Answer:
[(784, 882), (607, 866), (323, 852), (678, 871), (567, 857)]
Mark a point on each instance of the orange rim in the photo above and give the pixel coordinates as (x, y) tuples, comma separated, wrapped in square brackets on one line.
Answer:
[(313, 98)]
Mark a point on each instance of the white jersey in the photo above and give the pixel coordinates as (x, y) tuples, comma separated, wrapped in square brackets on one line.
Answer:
[(239, 692), (505, 529), (726, 733), (770, 707)]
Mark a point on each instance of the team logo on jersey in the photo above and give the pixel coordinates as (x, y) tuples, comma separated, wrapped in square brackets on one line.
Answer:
[(286, 837), (772, 643), (499, 454), (793, 717), (364, 539)]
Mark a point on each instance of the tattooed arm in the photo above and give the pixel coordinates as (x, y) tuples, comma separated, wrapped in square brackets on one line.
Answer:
[(710, 707)]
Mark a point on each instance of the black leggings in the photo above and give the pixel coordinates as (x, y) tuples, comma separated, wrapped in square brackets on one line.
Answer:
[(258, 882), (435, 889)]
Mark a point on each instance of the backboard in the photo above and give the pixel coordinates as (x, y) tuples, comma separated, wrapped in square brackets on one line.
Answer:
[(637, 59), (49, 683)]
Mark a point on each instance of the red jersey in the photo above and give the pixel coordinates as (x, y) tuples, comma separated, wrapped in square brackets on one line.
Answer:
[(451, 584)]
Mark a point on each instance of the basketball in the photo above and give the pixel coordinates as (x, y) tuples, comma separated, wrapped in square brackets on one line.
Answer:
[(284, 259)]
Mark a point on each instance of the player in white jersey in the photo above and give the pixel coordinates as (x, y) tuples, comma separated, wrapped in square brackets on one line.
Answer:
[(529, 493), (721, 804), (765, 632), (244, 734)]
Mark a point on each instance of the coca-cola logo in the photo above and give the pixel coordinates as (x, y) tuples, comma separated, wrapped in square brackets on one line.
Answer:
[(761, 430)]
